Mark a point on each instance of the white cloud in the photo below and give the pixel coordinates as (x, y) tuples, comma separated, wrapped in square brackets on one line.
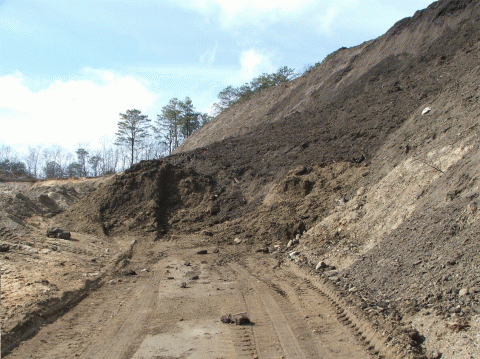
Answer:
[(68, 112), (208, 57), (252, 64), (234, 13)]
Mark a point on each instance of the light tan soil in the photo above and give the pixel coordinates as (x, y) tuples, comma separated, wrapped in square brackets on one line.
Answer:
[(150, 315)]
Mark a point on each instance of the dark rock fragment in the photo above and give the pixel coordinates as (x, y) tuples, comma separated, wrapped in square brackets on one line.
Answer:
[(4, 247), (128, 272)]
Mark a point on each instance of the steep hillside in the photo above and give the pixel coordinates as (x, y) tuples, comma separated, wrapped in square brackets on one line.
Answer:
[(346, 159)]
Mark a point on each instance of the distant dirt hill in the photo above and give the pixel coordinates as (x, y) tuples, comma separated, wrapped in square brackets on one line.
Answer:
[(376, 85), (346, 159)]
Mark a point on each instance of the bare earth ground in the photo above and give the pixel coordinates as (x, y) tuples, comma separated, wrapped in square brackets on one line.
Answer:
[(150, 315)]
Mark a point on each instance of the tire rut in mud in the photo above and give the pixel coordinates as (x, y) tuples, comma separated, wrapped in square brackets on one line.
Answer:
[(126, 326)]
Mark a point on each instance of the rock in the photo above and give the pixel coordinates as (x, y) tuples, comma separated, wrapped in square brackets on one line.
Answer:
[(183, 285), (475, 290), (187, 264), (227, 319), (321, 265), (334, 279), (237, 240), (4, 247), (426, 110), (237, 319), (65, 235), (53, 232), (128, 272), (56, 232), (435, 355), (456, 325), (54, 248), (216, 250), (331, 273), (262, 250), (456, 309), (290, 243), (293, 254), (242, 320), (300, 170), (202, 251), (463, 292), (112, 281)]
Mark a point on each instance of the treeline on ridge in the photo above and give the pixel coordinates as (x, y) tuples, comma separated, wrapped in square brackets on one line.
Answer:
[(137, 138)]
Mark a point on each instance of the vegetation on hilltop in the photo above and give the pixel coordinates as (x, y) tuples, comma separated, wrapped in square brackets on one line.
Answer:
[(136, 138)]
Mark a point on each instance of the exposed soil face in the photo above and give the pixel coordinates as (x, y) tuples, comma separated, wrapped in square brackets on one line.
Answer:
[(339, 185)]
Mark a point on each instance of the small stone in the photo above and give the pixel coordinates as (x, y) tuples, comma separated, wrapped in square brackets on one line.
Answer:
[(4, 247), (290, 243), (456, 309), (54, 248), (183, 285), (321, 265), (216, 250), (187, 264), (463, 292), (293, 254), (237, 240), (475, 290), (426, 110), (65, 235), (331, 273), (128, 272), (107, 250), (202, 251), (112, 281)]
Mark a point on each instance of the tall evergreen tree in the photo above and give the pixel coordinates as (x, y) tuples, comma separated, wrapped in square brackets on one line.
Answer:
[(172, 119), (133, 128), (189, 118)]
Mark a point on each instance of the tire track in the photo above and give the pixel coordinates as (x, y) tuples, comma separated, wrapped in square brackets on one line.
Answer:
[(127, 325), (263, 302), (369, 337)]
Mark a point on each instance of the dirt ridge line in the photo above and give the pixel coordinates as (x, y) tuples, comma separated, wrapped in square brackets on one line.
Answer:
[(53, 308), (351, 317)]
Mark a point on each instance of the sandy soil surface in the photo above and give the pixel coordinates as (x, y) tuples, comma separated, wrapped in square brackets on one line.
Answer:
[(172, 308)]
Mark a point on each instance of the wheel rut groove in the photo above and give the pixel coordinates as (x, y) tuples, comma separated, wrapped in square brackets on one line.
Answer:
[(273, 317), (375, 343)]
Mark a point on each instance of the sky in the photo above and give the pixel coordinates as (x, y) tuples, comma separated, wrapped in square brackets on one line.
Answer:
[(69, 68)]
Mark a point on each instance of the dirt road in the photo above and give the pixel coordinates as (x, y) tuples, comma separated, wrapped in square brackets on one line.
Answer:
[(172, 309)]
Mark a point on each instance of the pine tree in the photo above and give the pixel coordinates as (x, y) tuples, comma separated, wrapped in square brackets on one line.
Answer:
[(133, 128)]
